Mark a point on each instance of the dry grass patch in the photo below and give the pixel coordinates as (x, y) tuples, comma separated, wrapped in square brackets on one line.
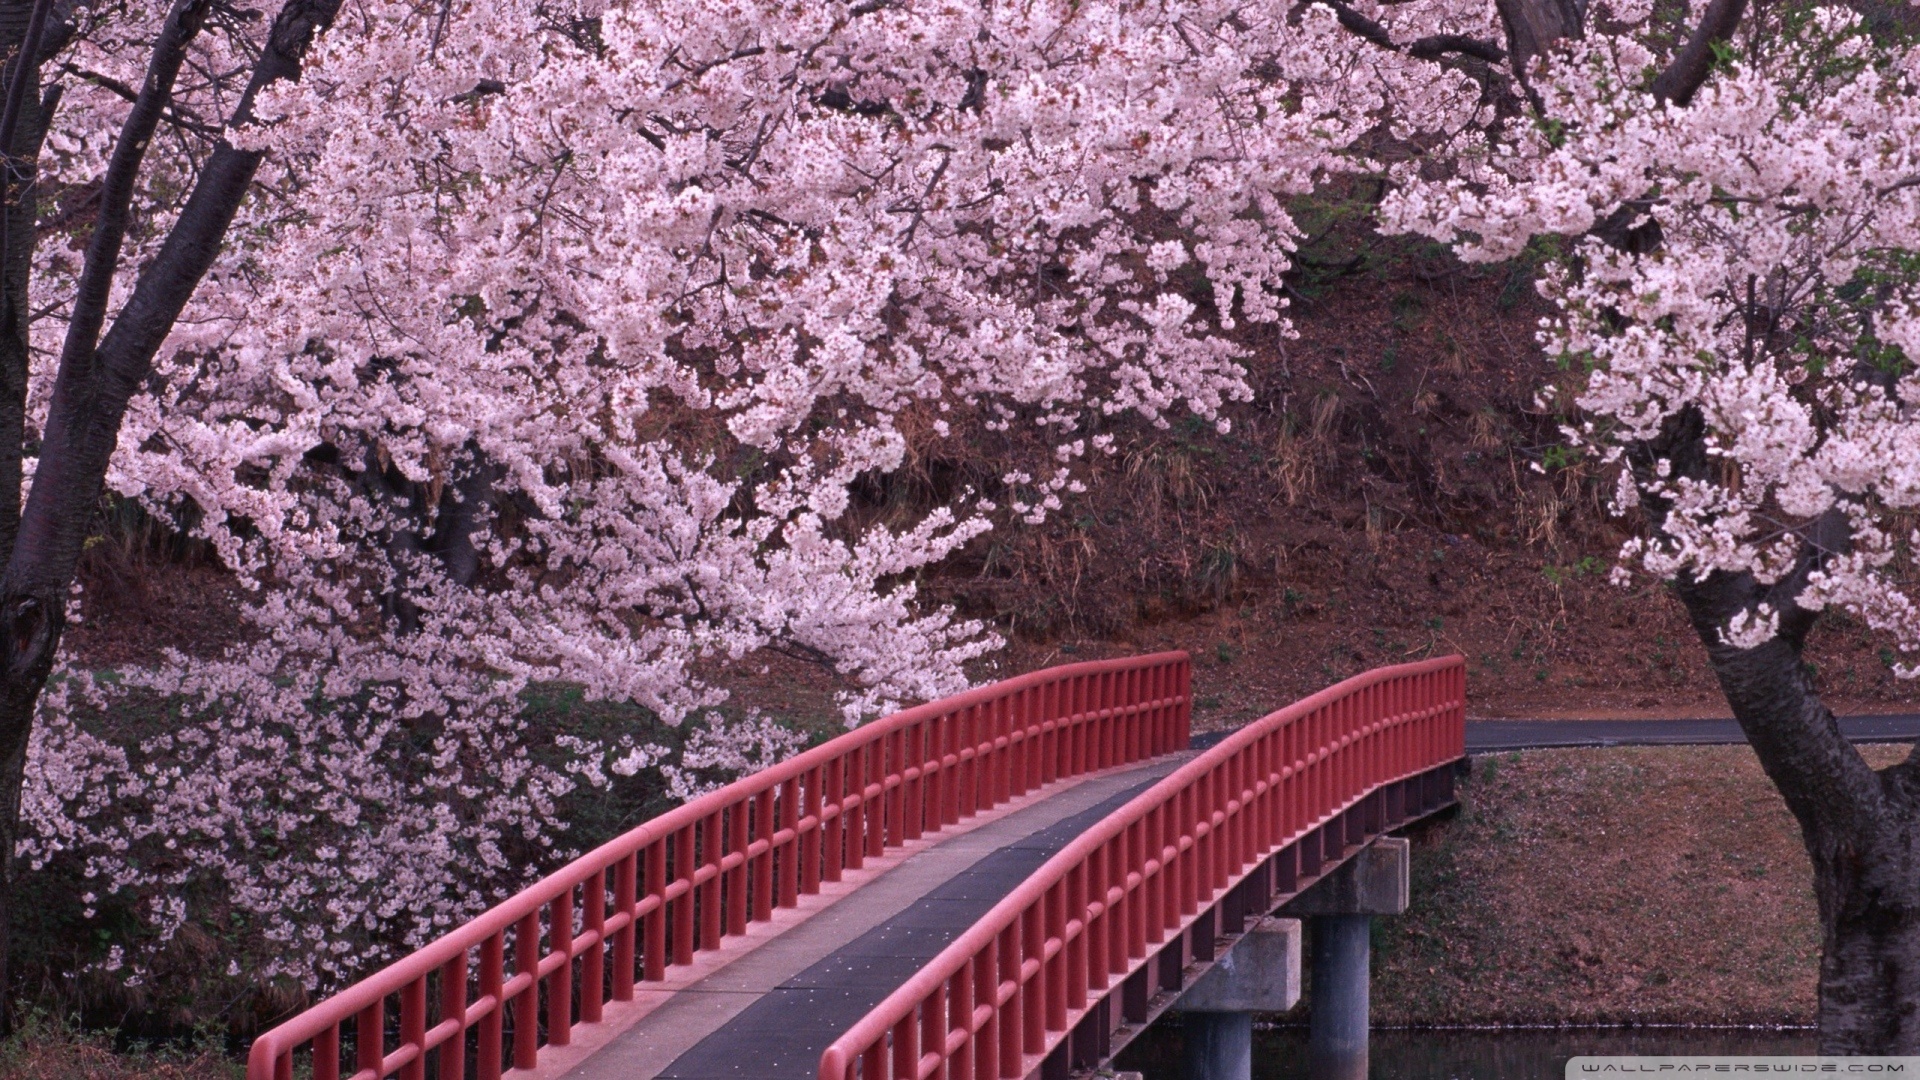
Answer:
[(1629, 885), (46, 1050)]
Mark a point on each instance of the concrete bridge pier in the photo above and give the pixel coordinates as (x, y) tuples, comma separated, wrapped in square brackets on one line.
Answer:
[(1341, 908), (1217, 1045), (1260, 973)]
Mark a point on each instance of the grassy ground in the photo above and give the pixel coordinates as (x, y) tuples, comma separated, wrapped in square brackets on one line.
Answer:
[(45, 1049), (1631, 885)]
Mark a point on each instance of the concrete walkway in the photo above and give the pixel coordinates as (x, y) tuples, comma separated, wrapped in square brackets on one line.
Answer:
[(772, 1012)]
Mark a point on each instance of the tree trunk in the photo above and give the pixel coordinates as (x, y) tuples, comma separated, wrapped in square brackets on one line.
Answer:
[(1861, 828), (19, 689), (99, 373), (1534, 25)]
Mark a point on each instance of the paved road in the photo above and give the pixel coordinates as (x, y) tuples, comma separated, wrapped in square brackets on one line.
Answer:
[(1484, 736)]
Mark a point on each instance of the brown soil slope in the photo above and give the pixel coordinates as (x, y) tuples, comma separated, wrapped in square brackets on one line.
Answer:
[(1652, 885)]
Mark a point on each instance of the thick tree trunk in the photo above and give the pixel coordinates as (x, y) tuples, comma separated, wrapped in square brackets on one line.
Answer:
[(1861, 828), (19, 694), (20, 683)]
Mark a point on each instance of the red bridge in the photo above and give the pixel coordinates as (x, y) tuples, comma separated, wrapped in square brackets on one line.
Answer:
[(1011, 882)]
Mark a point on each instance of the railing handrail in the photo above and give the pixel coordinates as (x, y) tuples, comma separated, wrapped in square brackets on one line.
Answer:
[(373, 989), (837, 1061)]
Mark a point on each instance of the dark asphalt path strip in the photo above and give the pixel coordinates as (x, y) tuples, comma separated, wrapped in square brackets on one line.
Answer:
[(1488, 736)]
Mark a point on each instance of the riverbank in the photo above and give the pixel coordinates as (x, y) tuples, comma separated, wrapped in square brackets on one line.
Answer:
[(1633, 885)]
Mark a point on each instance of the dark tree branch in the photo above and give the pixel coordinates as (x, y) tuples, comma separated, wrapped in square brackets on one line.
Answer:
[(1359, 24), (88, 401), (22, 129), (22, 72), (1533, 26), (117, 186), (1437, 45), (1431, 47), (121, 90), (1826, 783), (1687, 71)]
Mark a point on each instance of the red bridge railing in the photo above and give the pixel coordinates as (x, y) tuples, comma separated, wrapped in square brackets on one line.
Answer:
[(679, 883), (1012, 986)]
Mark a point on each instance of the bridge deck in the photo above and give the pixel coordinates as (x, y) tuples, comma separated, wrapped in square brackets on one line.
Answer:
[(771, 1012)]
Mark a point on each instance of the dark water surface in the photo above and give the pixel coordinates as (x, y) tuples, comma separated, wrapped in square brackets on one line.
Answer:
[(1468, 1055)]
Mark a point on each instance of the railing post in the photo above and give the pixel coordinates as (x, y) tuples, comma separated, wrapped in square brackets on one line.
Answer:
[(933, 1035), (968, 722), (413, 1028), (1078, 947), (763, 828), (1003, 749), (369, 1037), (593, 918), (790, 857), (713, 848), (626, 884), (1055, 905), (853, 798), (683, 868), (1183, 706), (326, 1056), (736, 888), (1033, 998), (1007, 946), (813, 848), (1097, 933), (453, 1006), (913, 791), (655, 944), (959, 1065), (906, 1047), (986, 994), (526, 1004), (493, 964), (894, 779), (877, 794)]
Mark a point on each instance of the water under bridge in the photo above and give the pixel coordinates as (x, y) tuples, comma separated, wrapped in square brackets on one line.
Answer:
[(1012, 882)]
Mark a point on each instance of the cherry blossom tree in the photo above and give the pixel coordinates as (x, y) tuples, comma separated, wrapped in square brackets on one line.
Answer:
[(112, 324), (1735, 208), (551, 342)]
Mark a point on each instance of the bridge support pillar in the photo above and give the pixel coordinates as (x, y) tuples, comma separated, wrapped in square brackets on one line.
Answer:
[(1259, 974), (1341, 908), (1337, 1031), (1219, 1045)]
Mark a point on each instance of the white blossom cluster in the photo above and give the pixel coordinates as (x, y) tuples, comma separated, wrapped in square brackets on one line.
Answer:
[(555, 344), (1779, 306)]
